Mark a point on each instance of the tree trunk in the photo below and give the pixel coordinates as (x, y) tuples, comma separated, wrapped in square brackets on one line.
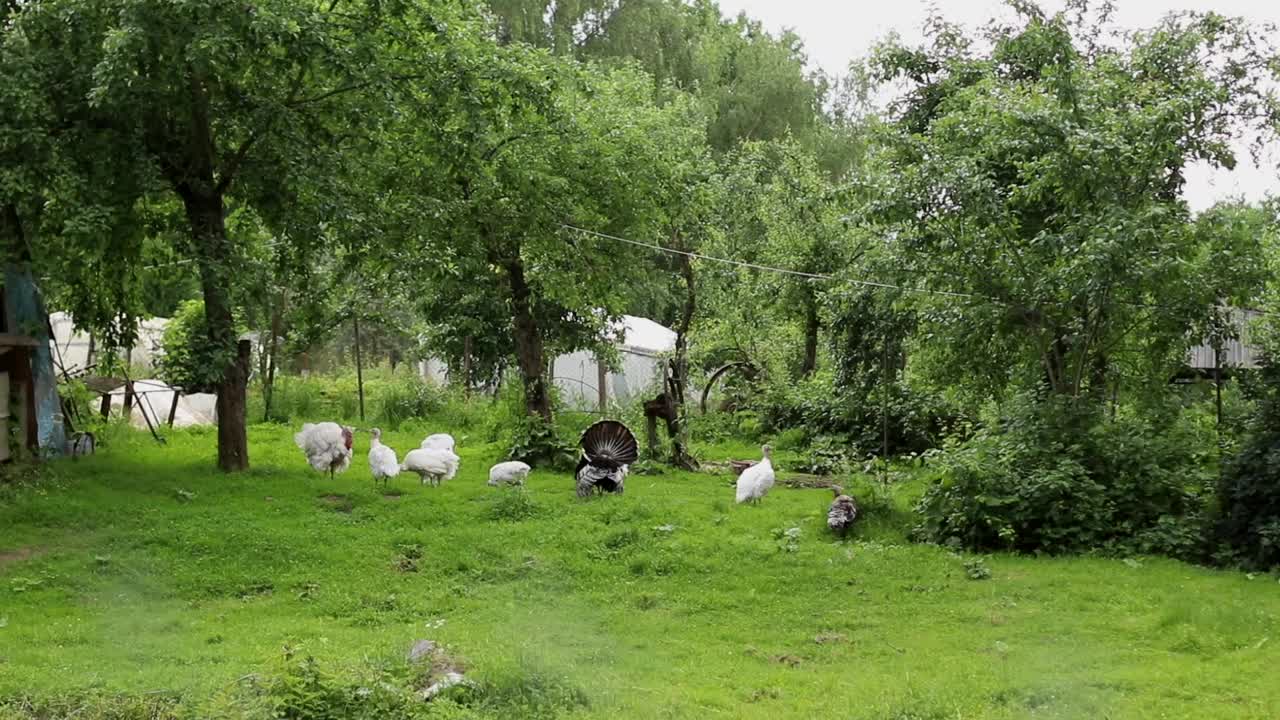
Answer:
[(269, 383), (811, 327), (529, 350), (213, 251), (1055, 367), (677, 425)]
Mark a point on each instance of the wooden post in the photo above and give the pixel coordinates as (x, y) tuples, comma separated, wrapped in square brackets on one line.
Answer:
[(359, 369), (106, 405), (269, 384), (128, 399), (602, 388), (173, 409)]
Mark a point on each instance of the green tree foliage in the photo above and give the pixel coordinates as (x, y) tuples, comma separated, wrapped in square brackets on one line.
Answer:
[(204, 102), (754, 85), (1050, 477), (1034, 179), (545, 144), (188, 360), (1248, 521), (1039, 171), (776, 208)]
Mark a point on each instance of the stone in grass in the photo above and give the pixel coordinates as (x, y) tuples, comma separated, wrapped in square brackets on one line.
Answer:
[(439, 671), (422, 651)]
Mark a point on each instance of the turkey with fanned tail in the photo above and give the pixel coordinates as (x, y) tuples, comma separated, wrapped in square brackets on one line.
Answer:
[(608, 448)]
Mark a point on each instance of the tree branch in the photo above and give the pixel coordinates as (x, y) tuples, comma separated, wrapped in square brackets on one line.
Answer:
[(494, 150), (233, 165), (351, 88)]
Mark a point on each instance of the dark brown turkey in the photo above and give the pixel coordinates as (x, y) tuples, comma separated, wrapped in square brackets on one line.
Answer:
[(608, 447), (842, 513)]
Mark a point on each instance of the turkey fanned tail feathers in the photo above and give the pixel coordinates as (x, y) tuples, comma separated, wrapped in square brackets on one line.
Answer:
[(608, 448)]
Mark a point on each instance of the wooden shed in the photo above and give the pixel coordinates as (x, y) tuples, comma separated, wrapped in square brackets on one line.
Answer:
[(1235, 354), (17, 387)]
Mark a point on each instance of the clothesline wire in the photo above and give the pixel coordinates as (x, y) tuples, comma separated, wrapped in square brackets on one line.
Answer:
[(823, 276), (770, 268)]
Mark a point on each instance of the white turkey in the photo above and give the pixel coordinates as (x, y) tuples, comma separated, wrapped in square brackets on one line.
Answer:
[(608, 448), (508, 473), (438, 441), (382, 459), (432, 465), (327, 446), (842, 513), (755, 481)]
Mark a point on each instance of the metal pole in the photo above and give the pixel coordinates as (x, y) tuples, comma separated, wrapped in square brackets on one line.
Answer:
[(884, 401), (359, 369)]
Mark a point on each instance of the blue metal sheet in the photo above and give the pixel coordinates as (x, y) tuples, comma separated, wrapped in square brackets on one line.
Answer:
[(27, 313)]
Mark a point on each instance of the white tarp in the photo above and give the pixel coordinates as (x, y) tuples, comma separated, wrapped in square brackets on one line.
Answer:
[(643, 334), (156, 399), (577, 375), (72, 346)]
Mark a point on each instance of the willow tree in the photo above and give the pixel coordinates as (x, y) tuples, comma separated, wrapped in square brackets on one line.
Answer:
[(211, 100)]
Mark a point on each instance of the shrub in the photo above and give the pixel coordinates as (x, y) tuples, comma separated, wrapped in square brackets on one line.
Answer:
[(537, 442), (1247, 523), (188, 360), (406, 398), (916, 421), (1058, 477)]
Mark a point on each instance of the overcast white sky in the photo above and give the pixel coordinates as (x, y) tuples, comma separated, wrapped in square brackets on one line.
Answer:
[(836, 31)]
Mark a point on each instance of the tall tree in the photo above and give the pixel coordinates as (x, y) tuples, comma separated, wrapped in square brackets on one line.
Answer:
[(778, 208), (1038, 175), (541, 144), (754, 84), (217, 99)]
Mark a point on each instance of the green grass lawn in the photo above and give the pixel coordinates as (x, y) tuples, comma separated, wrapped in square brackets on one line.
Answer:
[(144, 571)]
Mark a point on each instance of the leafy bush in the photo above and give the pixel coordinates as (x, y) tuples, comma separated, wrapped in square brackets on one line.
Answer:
[(827, 456), (1057, 477), (917, 421), (1247, 524), (537, 442), (188, 360), (409, 398), (393, 400), (512, 505), (976, 569)]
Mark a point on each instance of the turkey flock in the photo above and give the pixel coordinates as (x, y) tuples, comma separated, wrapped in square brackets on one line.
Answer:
[(608, 450)]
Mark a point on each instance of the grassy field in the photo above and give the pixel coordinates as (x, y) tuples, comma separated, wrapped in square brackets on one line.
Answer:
[(144, 572)]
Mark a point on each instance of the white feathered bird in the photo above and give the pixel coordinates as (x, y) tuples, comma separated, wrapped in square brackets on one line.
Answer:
[(382, 459), (438, 441), (508, 473), (431, 465), (755, 481), (327, 446)]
